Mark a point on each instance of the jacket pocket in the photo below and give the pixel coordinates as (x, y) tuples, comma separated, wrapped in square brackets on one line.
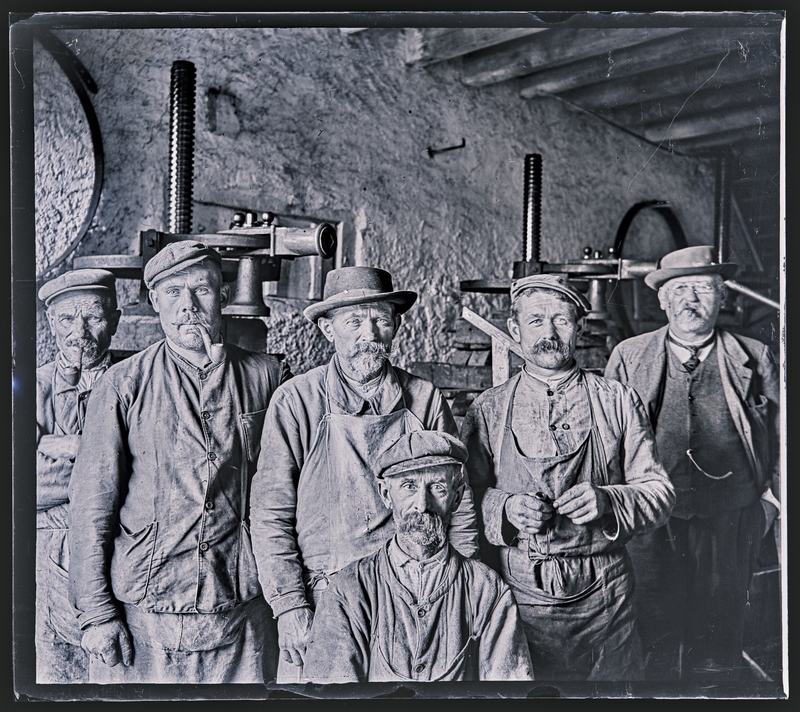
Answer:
[(247, 583), (132, 563), (252, 425)]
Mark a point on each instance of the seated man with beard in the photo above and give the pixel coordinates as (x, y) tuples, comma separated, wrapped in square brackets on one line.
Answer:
[(315, 506), (417, 609)]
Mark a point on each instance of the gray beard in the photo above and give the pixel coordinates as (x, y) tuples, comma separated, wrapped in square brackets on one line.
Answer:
[(366, 360), (422, 529)]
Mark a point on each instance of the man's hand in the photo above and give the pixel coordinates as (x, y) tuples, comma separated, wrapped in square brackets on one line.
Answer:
[(583, 503), (293, 630), (109, 642), (528, 513), (59, 447)]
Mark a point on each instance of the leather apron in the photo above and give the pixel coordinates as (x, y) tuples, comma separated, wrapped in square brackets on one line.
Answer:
[(575, 596), (341, 517)]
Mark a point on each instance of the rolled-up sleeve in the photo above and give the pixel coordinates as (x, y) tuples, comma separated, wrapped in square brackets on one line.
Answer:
[(645, 499), (100, 474)]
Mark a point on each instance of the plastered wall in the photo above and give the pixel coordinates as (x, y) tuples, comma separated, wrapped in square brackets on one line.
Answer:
[(315, 122)]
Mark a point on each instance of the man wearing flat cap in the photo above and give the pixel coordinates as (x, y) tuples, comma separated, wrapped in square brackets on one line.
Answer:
[(713, 400), (564, 470), (162, 569), (315, 504), (83, 316), (417, 609)]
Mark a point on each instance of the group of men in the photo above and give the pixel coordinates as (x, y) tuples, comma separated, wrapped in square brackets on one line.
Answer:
[(206, 517)]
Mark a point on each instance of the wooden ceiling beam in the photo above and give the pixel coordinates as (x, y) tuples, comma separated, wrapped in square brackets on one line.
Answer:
[(710, 123), (428, 45), (725, 140), (626, 61), (682, 79), (531, 54), (710, 98)]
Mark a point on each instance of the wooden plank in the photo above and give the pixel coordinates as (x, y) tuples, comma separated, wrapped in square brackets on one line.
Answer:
[(629, 60), (501, 362), (490, 329), (427, 45), (754, 136), (613, 93), (532, 54), (710, 123)]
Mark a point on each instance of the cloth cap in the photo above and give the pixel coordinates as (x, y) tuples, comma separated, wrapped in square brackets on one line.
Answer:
[(418, 449), (94, 279), (556, 282), (348, 286), (689, 261), (175, 257)]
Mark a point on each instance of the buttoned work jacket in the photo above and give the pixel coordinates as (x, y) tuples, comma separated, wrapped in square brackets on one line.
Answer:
[(160, 486)]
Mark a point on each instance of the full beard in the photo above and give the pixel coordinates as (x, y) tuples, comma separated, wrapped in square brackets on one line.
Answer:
[(551, 353), (425, 530), (366, 360)]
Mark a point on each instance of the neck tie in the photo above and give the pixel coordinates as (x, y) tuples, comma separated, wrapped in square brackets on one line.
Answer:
[(692, 362)]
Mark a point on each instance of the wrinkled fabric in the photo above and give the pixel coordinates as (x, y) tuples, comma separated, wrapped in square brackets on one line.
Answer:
[(693, 573), (60, 410), (161, 483), (286, 507), (369, 627), (209, 648), (573, 582)]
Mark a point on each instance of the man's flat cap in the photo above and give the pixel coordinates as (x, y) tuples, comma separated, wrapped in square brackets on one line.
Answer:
[(418, 449), (92, 279), (557, 282), (177, 256)]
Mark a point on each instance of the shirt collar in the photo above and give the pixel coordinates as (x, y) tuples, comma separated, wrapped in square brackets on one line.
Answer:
[(382, 400), (183, 357), (683, 354), (558, 382), (400, 559)]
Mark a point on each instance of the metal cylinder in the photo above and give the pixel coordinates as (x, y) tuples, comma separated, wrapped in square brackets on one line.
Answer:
[(723, 209), (532, 218), (297, 241), (181, 146), (249, 300)]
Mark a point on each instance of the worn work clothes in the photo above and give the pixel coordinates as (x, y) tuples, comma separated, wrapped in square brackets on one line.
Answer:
[(315, 504), (162, 478), (693, 574), (215, 648), (370, 627), (60, 410), (527, 436)]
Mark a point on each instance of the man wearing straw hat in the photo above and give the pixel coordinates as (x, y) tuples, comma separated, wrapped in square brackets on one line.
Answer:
[(83, 316), (315, 505), (161, 567), (564, 470), (713, 399)]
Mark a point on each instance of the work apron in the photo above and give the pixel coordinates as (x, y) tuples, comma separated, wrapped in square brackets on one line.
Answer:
[(575, 598), (340, 514)]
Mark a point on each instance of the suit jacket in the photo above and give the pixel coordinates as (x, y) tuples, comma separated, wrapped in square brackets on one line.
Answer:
[(750, 381)]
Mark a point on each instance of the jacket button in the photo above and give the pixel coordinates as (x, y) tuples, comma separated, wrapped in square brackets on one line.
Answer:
[(421, 612), (565, 426), (209, 505), (419, 667), (212, 456), (205, 415), (203, 546), (549, 393), (552, 427), (691, 397)]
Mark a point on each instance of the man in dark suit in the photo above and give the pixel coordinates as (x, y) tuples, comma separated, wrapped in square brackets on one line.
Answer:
[(713, 400)]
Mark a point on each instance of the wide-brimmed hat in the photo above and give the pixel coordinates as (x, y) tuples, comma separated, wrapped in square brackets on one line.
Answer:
[(419, 449), (78, 279), (348, 286), (689, 261), (177, 256), (557, 282)]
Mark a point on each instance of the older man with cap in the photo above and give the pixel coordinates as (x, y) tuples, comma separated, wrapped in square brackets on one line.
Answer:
[(713, 399), (417, 609), (315, 503), (162, 568), (564, 469), (83, 317)]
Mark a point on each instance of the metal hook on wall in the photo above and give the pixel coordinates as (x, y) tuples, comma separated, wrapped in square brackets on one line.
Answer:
[(433, 151)]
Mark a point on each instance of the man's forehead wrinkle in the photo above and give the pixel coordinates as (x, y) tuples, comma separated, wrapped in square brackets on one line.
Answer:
[(79, 301), (191, 277)]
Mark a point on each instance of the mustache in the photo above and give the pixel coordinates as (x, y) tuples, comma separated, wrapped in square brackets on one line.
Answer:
[(375, 348), (84, 343), (429, 526), (544, 346)]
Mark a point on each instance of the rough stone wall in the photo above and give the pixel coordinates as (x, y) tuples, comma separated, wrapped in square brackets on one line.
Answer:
[(315, 122)]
